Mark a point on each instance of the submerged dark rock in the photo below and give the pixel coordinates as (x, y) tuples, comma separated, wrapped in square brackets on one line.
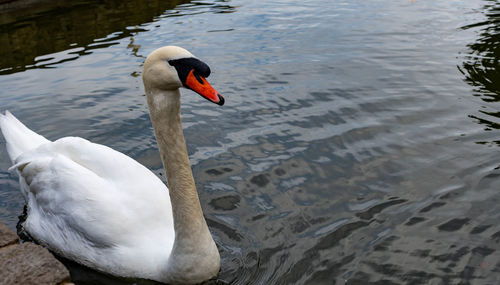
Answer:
[(28, 263)]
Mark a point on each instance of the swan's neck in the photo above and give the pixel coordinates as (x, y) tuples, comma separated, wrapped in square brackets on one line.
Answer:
[(166, 119), (193, 241)]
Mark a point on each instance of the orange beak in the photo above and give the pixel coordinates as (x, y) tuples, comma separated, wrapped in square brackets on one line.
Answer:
[(201, 86)]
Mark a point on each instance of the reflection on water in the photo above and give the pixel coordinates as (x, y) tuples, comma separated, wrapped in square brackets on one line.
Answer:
[(69, 29), (73, 28), (344, 153), (482, 66)]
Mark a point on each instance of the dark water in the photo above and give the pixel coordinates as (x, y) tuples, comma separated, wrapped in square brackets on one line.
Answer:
[(358, 143)]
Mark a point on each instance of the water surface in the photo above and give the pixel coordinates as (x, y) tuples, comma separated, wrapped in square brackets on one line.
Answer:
[(358, 143)]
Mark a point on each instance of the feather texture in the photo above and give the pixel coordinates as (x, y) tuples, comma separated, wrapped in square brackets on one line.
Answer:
[(76, 192)]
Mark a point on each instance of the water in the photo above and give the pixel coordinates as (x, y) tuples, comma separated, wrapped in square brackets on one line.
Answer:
[(358, 143)]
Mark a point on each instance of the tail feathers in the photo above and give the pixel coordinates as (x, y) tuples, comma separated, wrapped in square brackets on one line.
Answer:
[(18, 137)]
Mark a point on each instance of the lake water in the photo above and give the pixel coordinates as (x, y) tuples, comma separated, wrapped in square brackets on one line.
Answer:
[(359, 142)]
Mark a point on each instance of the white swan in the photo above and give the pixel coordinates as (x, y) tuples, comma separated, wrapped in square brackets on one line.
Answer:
[(101, 208)]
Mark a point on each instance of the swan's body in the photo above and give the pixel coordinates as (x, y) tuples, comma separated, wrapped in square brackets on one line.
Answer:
[(103, 209)]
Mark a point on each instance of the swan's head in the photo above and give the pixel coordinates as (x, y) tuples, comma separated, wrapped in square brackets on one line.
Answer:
[(171, 67)]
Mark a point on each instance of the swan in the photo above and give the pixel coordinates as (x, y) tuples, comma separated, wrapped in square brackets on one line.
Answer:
[(100, 208)]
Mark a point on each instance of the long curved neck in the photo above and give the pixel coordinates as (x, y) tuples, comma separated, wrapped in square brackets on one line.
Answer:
[(194, 257), (164, 107)]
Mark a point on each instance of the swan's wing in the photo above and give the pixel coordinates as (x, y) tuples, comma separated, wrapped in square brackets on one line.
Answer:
[(65, 207), (84, 197)]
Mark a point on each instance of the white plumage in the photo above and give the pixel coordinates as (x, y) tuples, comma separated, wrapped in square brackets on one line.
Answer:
[(99, 207), (84, 198)]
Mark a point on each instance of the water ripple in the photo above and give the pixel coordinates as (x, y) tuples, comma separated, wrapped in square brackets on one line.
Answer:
[(351, 150)]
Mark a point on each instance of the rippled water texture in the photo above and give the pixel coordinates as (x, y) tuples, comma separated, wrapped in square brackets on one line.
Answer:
[(358, 143)]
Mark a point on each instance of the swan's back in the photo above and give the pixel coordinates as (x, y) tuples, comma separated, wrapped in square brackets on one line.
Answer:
[(90, 203)]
